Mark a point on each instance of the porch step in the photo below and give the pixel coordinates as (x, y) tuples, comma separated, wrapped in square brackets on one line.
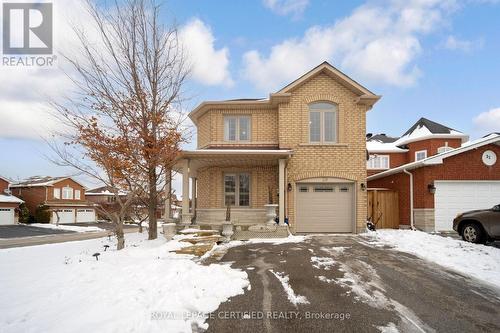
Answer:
[(203, 239), (199, 232), (197, 250)]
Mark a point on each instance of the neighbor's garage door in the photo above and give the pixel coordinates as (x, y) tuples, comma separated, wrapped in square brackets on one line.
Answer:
[(453, 197), (6, 216), (65, 216), (85, 215), (325, 207)]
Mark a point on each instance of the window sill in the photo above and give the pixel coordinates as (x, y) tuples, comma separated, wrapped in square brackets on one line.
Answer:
[(323, 144)]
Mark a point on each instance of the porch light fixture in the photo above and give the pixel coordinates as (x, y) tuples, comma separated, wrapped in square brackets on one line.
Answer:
[(431, 188), (363, 187), (289, 187)]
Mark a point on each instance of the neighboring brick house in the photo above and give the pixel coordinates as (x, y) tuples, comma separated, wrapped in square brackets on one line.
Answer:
[(63, 197), (424, 139), (305, 145), (8, 204), (453, 177)]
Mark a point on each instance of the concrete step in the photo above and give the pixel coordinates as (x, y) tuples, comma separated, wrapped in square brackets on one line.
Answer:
[(199, 232), (197, 250), (203, 239)]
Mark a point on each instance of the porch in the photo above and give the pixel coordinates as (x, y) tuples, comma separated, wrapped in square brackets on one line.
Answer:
[(244, 179)]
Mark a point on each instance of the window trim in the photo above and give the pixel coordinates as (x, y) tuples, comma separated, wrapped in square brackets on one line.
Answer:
[(237, 188), (79, 196), (237, 117), (420, 151), (335, 110), (376, 156), (58, 191)]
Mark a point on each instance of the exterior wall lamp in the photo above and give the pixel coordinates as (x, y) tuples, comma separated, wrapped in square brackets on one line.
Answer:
[(431, 188), (289, 187), (363, 187)]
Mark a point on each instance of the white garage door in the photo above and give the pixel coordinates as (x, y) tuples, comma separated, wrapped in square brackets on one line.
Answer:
[(65, 216), (454, 197), (325, 207), (6, 216), (85, 215)]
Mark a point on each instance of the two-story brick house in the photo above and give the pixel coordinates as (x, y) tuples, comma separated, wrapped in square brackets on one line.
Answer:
[(305, 145), (423, 139), (8, 204), (436, 172), (63, 196)]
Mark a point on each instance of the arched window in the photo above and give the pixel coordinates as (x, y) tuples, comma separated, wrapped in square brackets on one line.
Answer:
[(322, 122)]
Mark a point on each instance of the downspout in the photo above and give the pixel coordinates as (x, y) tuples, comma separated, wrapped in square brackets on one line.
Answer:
[(411, 198)]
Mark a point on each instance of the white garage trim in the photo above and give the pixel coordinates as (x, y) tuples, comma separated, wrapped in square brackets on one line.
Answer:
[(319, 215), (454, 197), (7, 216)]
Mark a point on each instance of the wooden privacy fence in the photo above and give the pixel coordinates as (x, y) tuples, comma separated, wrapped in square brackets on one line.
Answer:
[(383, 208)]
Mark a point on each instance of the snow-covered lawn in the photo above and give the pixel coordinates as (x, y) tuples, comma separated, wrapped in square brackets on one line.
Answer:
[(66, 227), (479, 261), (143, 288)]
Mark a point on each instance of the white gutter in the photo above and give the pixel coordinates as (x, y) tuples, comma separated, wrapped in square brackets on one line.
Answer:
[(411, 197)]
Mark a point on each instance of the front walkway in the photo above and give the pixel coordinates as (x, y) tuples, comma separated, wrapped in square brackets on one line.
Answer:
[(342, 283)]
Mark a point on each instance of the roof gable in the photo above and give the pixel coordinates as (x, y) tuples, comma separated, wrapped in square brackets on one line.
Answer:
[(328, 69), (432, 126)]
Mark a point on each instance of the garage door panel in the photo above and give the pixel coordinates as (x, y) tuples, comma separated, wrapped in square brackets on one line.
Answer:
[(325, 208), (85, 215), (65, 216), (452, 198), (7, 216)]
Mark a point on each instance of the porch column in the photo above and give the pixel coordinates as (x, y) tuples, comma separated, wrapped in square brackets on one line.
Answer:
[(193, 196), (186, 215), (168, 196), (282, 163)]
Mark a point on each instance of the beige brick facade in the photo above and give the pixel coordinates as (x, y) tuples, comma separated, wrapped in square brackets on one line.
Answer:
[(282, 122)]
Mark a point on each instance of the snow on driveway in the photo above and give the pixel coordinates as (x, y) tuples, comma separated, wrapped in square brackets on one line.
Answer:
[(479, 261), (143, 288)]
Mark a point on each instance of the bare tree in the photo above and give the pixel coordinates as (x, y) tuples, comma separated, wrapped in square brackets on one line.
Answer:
[(125, 117)]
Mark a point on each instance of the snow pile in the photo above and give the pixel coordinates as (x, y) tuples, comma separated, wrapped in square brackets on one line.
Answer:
[(292, 297), (479, 261), (66, 227), (143, 288)]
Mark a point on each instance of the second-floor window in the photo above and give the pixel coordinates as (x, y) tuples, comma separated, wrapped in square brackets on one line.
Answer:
[(67, 193), (237, 128), (77, 194), (322, 122), (420, 155), (380, 162), (57, 193)]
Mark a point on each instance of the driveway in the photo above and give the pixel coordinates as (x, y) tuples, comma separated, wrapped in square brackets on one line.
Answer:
[(342, 283), (20, 230)]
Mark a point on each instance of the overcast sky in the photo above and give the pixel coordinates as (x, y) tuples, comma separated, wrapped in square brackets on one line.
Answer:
[(428, 58)]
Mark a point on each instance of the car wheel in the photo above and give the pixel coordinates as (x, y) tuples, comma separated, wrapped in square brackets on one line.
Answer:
[(472, 233)]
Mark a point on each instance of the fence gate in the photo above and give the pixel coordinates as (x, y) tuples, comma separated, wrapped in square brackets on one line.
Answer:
[(383, 208)]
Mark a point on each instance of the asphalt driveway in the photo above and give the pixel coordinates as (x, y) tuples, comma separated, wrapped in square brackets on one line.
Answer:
[(344, 284), (20, 230)]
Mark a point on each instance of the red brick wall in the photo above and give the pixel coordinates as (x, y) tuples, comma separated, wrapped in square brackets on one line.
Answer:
[(3, 185), (33, 196), (465, 166), (431, 145), (64, 183)]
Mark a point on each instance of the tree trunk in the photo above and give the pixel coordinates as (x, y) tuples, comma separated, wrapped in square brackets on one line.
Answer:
[(119, 234), (152, 205), (140, 227)]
